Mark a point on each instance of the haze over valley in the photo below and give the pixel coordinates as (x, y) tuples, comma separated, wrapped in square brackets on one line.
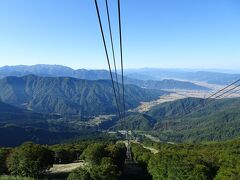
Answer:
[(67, 102)]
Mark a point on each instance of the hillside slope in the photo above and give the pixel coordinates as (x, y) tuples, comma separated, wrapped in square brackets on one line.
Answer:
[(219, 120), (19, 125), (13, 115)]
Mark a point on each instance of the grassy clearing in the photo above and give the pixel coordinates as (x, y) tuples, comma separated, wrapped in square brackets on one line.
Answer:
[(65, 168)]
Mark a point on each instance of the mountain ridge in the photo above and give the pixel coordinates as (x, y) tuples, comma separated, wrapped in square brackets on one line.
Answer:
[(63, 71), (66, 95), (211, 77)]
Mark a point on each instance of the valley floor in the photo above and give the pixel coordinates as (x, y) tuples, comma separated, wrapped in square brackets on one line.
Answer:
[(177, 94)]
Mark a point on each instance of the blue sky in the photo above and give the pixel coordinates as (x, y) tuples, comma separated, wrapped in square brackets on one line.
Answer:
[(156, 33)]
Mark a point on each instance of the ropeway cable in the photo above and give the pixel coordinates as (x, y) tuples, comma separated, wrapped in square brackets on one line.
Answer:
[(107, 57)]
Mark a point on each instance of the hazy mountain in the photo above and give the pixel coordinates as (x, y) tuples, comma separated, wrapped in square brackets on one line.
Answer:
[(62, 71), (69, 95), (40, 69), (53, 71), (166, 84), (140, 76), (190, 75)]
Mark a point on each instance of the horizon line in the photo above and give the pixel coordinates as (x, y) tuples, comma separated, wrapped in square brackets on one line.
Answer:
[(129, 68)]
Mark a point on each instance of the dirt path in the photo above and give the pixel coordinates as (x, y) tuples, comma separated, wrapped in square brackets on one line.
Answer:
[(153, 150), (65, 168)]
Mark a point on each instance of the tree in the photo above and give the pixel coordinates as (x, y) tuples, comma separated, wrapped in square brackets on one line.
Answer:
[(63, 156), (3, 157), (107, 170), (105, 162), (94, 153), (80, 174), (176, 166), (141, 155), (117, 152), (30, 160)]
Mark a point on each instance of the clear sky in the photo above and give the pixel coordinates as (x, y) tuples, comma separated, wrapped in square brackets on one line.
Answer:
[(156, 33)]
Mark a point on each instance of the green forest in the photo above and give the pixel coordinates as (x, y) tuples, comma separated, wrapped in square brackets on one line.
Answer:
[(102, 160), (179, 121), (213, 160), (106, 159)]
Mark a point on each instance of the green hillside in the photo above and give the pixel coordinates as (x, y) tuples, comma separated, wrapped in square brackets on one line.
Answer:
[(18, 126), (215, 160), (172, 121), (135, 121), (11, 135), (217, 121)]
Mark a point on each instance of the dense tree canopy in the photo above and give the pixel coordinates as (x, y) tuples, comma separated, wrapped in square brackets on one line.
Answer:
[(29, 160), (215, 160), (3, 157), (104, 162)]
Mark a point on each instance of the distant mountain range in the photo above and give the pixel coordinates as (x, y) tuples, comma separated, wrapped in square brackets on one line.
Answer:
[(69, 96), (212, 77), (166, 84), (63, 71)]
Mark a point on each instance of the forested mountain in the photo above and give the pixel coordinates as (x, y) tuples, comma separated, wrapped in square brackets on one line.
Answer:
[(6, 108), (12, 135), (63, 71), (69, 96), (21, 117), (217, 121), (19, 125), (7, 111), (135, 121), (170, 121)]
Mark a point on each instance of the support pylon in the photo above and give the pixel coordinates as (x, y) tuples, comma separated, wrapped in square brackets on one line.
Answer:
[(129, 155)]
